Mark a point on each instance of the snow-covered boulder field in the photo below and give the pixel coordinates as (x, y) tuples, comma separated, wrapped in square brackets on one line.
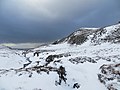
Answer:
[(85, 60)]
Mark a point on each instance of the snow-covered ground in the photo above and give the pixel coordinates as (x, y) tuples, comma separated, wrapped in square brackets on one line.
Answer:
[(84, 73), (92, 65)]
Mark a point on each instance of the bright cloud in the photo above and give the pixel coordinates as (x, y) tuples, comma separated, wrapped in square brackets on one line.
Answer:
[(50, 9)]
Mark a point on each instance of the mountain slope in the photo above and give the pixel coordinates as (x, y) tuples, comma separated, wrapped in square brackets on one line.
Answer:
[(92, 65), (96, 36)]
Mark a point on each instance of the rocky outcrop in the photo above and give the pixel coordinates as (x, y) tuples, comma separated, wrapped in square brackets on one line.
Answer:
[(110, 76)]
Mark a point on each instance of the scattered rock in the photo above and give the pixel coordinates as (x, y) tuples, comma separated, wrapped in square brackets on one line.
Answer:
[(76, 85)]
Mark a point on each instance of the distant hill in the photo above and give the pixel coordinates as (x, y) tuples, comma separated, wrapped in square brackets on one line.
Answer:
[(94, 36)]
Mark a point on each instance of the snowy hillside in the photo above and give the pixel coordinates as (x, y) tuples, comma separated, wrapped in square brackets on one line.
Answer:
[(86, 60), (94, 36)]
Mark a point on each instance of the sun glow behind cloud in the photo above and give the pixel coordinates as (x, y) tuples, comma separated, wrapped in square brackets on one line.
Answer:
[(34, 9)]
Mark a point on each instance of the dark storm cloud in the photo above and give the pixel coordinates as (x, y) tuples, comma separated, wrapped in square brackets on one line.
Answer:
[(47, 20)]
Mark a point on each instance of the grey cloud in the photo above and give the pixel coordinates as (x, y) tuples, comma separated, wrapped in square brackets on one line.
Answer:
[(47, 20), (50, 9)]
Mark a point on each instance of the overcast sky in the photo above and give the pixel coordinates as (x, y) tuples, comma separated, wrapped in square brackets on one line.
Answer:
[(48, 20)]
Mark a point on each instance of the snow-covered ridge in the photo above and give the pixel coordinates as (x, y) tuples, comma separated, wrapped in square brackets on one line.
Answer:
[(21, 45), (81, 30), (94, 36)]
